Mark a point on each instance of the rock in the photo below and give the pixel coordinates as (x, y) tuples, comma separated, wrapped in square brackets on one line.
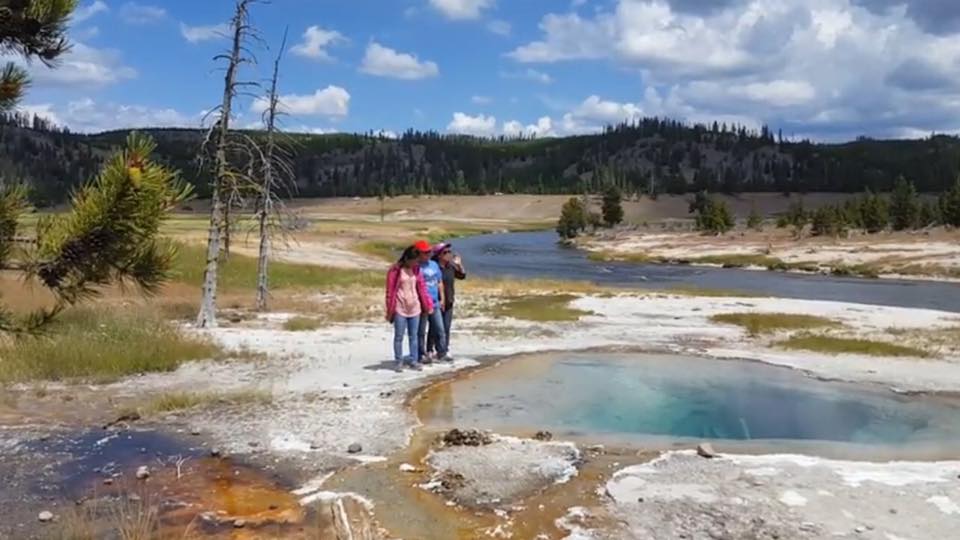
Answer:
[(315, 446), (543, 436), (195, 432), (235, 318), (408, 468), (860, 529), (143, 472), (128, 417), (451, 481), (133, 497), (809, 527), (214, 452), (108, 481), (354, 448), (239, 524), (469, 437), (893, 510), (705, 450), (45, 517), (253, 444)]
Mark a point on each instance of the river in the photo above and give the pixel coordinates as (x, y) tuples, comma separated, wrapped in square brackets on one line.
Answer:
[(538, 255)]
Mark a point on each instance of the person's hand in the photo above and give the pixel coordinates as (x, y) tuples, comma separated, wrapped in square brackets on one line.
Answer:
[(388, 317), (457, 260), (430, 312)]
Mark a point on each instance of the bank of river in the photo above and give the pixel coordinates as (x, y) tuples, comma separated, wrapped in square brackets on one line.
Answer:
[(538, 255)]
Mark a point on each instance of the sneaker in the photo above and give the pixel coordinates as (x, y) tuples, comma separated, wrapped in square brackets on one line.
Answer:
[(398, 367), (447, 358), (416, 367)]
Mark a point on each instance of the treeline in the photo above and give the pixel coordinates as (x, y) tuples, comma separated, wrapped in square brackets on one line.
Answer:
[(649, 157), (902, 209)]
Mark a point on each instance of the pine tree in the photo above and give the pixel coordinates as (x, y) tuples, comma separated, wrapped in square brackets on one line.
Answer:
[(874, 212), (35, 30), (950, 205), (828, 221), (612, 206), (573, 219), (929, 214), (904, 205), (712, 216), (110, 233)]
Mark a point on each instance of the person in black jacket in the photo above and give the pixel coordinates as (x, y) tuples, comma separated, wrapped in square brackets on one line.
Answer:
[(452, 268)]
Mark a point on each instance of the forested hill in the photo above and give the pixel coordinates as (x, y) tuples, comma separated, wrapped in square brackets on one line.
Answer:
[(649, 155)]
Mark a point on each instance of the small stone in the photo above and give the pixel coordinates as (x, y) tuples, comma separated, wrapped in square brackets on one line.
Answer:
[(408, 468), (254, 444), (893, 510), (705, 450), (543, 436), (314, 446), (143, 450), (195, 432), (273, 507), (239, 524), (860, 529), (640, 499), (134, 498), (45, 517), (235, 318), (108, 481), (143, 472), (809, 527), (214, 452), (354, 448)]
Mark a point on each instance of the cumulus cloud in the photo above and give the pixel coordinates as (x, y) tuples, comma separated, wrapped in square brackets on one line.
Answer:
[(89, 116), (196, 34), (386, 62), (478, 126), (543, 128), (90, 10), (82, 65), (134, 13), (830, 68), (332, 101), (315, 42), (481, 100), (461, 9)]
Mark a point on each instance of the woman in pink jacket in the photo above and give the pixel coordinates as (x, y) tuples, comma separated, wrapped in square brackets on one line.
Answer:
[(407, 299)]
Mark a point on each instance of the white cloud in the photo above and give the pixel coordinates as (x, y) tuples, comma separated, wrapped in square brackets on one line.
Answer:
[(82, 65), (543, 128), (481, 100), (89, 116), (386, 62), (461, 9), (315, 43), (501, 28), (836, 68), (478, 126), (134, 13), (609, 112), (528, 74), (90, 10), (332, 101), (196, 34)]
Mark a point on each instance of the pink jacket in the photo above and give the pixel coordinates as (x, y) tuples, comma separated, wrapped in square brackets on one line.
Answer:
[(393, 283)]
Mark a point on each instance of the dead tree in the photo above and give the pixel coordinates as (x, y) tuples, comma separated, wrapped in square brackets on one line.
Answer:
[(276, 174), (224, 179)]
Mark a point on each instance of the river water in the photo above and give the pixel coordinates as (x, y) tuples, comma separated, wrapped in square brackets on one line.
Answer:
[(538, 255)]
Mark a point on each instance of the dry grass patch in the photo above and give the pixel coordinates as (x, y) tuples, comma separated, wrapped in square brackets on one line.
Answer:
[(541, 308), (303, 324), (838, 345), (102, 343), (767, 323), (179, 401)]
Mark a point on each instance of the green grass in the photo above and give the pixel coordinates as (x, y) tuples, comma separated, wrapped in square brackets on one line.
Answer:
[(837, 345), (709, 293), (765, 323), (239, 273), (102, 344), (387, 251), (302, 324), (857, 270), (179, 401), (541, 308), (610, 256), (740, 260)]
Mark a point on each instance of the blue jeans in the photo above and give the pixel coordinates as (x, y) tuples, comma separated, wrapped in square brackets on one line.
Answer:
[(410, 326), (436, 330), (447, 326)]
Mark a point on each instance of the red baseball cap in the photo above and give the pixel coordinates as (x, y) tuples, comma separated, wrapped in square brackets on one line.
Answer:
[(422, 246)]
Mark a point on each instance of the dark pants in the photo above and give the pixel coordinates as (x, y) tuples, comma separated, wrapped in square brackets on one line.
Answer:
[(447, 325), (438, 341)]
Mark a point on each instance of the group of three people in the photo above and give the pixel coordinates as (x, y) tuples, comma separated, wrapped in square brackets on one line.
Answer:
[(420, 293)]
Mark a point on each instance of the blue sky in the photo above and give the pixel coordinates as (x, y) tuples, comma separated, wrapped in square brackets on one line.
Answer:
[(827, 69)]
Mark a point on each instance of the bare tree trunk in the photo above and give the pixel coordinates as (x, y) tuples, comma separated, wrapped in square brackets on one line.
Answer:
[(267, 186), (226, 227), (207, 318)]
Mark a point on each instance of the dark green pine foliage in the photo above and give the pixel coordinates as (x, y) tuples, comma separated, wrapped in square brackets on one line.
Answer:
[(904, 205), (612, 209), (573, 219)]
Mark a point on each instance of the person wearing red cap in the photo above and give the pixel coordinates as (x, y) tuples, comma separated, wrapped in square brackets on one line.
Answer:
[(433, 277)]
